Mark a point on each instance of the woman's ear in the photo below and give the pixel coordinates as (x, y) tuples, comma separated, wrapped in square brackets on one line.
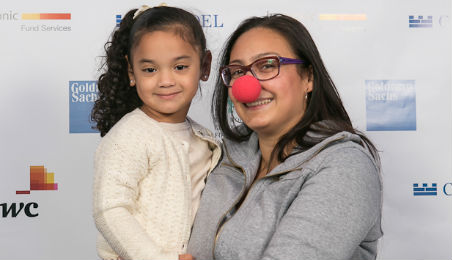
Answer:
[(130, 72), (310, 79), (205, 66)]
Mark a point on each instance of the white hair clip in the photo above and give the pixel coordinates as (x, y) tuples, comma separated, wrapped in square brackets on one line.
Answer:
[(144, 8)]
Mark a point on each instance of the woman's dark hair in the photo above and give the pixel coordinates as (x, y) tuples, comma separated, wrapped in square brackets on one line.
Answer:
[(323, 103), (116, 96)]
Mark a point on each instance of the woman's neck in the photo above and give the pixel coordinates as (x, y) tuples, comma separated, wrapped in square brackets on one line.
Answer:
[(267, 144)]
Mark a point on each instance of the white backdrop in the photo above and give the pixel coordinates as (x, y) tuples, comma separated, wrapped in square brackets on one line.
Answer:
[(394, 78)]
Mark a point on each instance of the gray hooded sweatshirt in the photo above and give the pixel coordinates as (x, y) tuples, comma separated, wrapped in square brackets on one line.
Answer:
[(321, 204)]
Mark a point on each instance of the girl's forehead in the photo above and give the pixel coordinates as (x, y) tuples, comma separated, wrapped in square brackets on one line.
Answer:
[(161, 40), (164, 44)]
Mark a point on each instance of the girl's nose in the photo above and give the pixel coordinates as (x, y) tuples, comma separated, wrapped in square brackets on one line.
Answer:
[(166, 79)]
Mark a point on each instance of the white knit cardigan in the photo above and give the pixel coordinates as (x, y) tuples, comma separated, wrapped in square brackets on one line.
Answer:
[(142, 190)]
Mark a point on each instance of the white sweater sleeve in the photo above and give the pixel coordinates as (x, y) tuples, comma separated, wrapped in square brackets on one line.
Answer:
[(121, 161)]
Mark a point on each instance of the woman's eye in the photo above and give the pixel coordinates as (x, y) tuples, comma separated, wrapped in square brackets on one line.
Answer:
[(267, 66), (181, 67), (237, 73)]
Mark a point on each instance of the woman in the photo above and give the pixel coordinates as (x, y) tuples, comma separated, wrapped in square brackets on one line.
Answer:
[(296, 180)]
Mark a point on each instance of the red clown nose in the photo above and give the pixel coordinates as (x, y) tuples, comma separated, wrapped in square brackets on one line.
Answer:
[(246, 89)]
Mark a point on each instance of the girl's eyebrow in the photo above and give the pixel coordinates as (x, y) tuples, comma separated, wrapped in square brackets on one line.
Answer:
[(182, 57), (144, 60)]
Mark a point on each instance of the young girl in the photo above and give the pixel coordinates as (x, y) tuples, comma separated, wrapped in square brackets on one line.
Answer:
[(151, 163)]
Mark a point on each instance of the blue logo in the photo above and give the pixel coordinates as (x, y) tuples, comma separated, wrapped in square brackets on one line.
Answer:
[(82, 95), (420, 21), (206, 20), (390, 105), (209, 20), (425, 190), (118, 20), (447, 189), (434, 190)]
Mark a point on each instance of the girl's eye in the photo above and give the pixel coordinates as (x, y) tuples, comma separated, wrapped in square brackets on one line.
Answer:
[(149, 70), (181, 67)]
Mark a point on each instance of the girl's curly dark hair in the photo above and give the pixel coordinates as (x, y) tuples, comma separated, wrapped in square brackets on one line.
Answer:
[(116, 96)]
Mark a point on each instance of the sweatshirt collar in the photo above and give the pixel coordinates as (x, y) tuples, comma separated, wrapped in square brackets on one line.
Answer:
[(247, 155)]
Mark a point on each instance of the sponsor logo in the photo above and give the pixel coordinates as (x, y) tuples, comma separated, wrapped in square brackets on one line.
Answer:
[(82, 95), (206, 20), (420, 21), (390, 105), (36, 19), (14, 209), (118, 20), (424, 190), (210, 20), (429, 21), (46, 16), (40, 180), (447, 189), (14, 16), (433, 190)]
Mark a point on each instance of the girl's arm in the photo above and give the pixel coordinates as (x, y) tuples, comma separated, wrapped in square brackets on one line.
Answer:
[(121, 162)]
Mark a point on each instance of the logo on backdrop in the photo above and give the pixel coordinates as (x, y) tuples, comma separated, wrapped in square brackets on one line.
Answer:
[(427, 21), (82, 95), (425, 189), (118, 20), (206, 20), (38, 22), (420, 21), (390, 105), (40, 180)]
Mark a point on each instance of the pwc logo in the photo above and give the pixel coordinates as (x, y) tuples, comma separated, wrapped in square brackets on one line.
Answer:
[(40, 180)]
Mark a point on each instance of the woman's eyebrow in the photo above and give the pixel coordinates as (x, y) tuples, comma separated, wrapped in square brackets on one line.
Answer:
[(255, 57)]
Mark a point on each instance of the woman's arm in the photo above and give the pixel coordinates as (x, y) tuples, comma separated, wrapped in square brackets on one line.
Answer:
[(333, 212)]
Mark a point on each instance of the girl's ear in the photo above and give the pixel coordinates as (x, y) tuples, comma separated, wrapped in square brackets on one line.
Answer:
[(205, 66), (130, 72)]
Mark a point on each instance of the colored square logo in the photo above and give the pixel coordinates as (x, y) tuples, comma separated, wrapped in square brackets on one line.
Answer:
[(40, 179), (391, 105), (82, 95)]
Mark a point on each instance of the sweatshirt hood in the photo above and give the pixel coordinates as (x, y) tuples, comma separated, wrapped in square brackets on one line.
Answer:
[(247, 155)]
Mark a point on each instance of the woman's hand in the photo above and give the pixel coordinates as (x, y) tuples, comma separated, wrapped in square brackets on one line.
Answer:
[(186, 257)]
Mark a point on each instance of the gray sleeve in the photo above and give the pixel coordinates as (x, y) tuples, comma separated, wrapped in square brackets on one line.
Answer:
[(333, 212)]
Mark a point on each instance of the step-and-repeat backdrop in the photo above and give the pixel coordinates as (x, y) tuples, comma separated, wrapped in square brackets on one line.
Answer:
[(391, 61)]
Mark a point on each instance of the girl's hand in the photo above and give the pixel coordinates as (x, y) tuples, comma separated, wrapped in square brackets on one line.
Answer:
[(186, 257)]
